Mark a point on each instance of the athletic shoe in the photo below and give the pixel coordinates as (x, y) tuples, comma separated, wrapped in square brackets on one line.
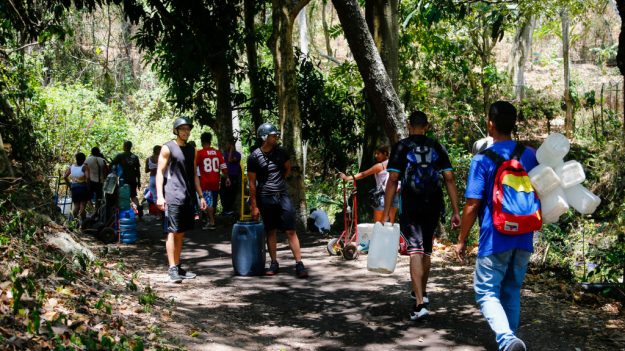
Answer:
[(418, 312), (300, 270), (516, 345), (174, 277), (273, 269), (184, 274), (426, 301)]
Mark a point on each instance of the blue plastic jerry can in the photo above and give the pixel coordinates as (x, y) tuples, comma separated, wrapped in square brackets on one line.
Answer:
[(248, 248)]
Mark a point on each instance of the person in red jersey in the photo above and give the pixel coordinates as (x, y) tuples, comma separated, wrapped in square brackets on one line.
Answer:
[(210, 163)]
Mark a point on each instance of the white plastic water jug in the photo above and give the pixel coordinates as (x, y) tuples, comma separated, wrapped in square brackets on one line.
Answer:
[(553, 149), (582, 199), (544, 179), (364, 233), (383, 248), (571, 173), (553, 205)]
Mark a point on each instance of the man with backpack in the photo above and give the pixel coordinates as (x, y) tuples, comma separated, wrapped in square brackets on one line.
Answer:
[(131, 171), (500, 193), (420, 162)]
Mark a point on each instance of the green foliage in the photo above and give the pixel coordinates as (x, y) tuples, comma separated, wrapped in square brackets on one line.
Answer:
[(190, 47), (331, 112), (74, 120)]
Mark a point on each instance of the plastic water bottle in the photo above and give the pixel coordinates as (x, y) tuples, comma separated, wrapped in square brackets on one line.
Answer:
[(570, 173), (383, 246), (110, 183), (552, 151), (128, 226), (553, 205), (544, 179), (582, 199)]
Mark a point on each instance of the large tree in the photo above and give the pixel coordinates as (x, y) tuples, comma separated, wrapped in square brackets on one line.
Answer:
[(194, 46), (378, 85), (284, 13)]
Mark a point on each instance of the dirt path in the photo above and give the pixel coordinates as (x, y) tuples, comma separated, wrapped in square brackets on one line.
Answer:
[(342, 306)]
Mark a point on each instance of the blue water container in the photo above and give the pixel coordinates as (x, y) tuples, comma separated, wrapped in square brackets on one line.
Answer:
[(128, 226), (248, 248)]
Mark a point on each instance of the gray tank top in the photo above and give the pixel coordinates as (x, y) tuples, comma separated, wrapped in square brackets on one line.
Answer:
[(179, 176)]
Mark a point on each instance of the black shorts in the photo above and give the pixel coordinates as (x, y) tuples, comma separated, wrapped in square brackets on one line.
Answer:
[(179, 218), (277, 211), (80, 192), (418, 229)]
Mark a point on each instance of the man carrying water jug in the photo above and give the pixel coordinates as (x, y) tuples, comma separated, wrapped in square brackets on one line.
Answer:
[(176, 182), (505, 243), (267, 169), (420, 161)]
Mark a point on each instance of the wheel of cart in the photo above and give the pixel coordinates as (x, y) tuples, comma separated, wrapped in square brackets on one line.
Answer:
[(346, 244)]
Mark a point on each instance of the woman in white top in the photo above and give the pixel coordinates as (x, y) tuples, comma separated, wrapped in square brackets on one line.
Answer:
[(77, 177), (381, 176)]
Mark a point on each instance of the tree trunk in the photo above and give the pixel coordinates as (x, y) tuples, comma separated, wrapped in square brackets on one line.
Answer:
[(568, 120), (381, 17), (620, 56), (252, 62), (326, 29), (224, 105), (378, 85), (281, 43), (520, 54), (303, 32)]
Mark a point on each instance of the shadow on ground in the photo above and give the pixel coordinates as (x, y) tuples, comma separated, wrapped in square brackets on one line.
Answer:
[(341, 306)]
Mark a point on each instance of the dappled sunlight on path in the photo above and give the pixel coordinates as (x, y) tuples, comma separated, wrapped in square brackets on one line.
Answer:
[(341, 306)]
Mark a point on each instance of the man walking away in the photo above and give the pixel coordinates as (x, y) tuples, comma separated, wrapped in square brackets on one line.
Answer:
[(210, 163), (267, 169), (131, 172), (420, 161), (176, 194), (502, 259)]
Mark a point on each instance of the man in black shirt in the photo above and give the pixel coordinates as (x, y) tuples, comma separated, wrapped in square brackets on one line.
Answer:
[(267, 169), (420, 161), (177, 183), (131, 170)]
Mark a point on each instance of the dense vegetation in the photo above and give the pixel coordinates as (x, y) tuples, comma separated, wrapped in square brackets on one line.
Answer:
[(79, 74)]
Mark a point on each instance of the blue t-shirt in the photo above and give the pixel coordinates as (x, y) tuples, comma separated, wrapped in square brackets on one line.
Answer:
[(480, 186)]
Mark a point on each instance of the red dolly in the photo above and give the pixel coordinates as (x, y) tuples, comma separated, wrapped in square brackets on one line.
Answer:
[(346, 244)]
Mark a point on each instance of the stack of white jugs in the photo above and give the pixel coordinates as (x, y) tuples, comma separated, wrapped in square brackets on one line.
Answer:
[(558, 183)]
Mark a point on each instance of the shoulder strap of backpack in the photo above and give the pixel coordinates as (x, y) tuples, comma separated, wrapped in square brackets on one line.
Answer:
[(518, 151), (495, 157)]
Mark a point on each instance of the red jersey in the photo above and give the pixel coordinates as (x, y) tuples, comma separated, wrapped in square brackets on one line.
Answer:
[(210, 162)]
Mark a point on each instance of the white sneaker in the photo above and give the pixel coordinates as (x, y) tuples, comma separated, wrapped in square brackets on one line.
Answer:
[(419, 312)]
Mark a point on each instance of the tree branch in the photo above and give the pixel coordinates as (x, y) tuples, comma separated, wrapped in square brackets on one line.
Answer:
[(10, 51)]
